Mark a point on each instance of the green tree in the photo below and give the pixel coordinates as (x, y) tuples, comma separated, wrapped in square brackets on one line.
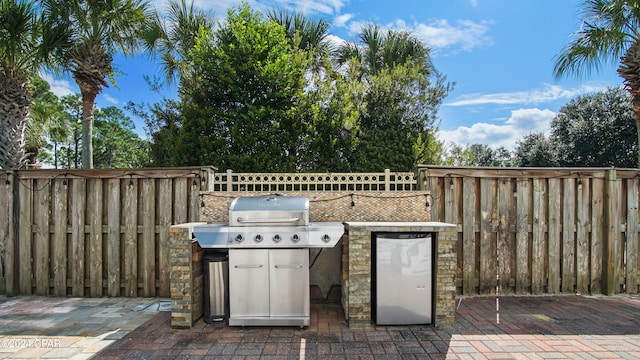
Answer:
[(27, 43), (47, 121), (429, 150), (171, 37), (99, 29), (596, 130), (68, 144), (116, 143), (329, 112), (164, 127), (459, 156), (484, 155), (590, 130), (535, 150), (242, 109), (609, 32), (403, 93)]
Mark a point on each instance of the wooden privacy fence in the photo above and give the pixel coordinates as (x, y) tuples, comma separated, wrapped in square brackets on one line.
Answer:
[(520, 230), (93, 232), (525, 230)]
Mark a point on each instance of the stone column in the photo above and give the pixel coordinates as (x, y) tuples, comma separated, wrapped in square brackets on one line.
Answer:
[(185, 257)]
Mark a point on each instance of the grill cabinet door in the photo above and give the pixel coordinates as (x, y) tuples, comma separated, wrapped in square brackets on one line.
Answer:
[(289, 280), (248, 282)]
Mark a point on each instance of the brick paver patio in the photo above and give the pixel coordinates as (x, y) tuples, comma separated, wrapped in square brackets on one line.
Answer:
[(543, 327), (522, 327)]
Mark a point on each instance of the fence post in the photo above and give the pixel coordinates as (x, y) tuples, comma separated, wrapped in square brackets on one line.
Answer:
[(207, 179), (387, 180), (229, 180), (9, 235), (611, 234)]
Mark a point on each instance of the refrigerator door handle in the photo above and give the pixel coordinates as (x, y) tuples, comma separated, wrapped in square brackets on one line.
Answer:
[(288, 266), (248, 266)]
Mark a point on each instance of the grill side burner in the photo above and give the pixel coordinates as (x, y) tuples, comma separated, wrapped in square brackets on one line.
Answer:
[(268, 238)]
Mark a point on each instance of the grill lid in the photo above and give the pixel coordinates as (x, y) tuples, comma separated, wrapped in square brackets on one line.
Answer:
[(269, 210)]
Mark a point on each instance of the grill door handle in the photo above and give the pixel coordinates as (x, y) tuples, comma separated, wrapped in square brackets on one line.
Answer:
[(248, 266), (267, 221), (293, 266)]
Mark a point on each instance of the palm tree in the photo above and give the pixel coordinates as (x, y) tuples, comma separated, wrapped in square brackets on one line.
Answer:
[(609, 32), (99, 29), (27, 43), (376, 50), (173, 36), (306, 34)]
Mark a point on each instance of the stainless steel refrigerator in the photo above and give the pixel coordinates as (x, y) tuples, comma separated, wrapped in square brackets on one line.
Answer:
[(403, 278)]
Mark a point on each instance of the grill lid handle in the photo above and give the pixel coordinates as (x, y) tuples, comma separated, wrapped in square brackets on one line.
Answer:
[(267, 221)]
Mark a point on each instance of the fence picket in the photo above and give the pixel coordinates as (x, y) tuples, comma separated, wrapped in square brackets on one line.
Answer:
[(94, 218), (523, 274), (582, 236), (488, 269), (59, 238), (597, 236), (180, 203), (553, 272), (41, 236), (6, 241), (469, 244), (612, 233), (130, 221), (77, 251), (506, 244), (538, 241), (632, 236), (147, 250), (568, 250), (113, 237), (25, 214), (164, 205)]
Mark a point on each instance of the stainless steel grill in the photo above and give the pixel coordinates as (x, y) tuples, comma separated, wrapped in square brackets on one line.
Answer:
[(269, 222), (268, 239)]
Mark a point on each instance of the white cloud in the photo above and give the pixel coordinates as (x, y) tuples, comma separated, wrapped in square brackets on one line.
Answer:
[(464, 35), (60, 87), (220, 7), (548, 93), (342, 20), (312, 6), (440, 34), (474, 3), (521, 123), (109, 98)]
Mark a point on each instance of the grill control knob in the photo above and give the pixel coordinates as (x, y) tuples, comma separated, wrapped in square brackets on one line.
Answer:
[(276, 238), (258, 238), (295, 238), (239, 238), (326, 238)]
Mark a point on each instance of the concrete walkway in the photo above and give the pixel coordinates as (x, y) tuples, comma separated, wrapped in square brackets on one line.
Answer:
[(517, 327), (68, 328)]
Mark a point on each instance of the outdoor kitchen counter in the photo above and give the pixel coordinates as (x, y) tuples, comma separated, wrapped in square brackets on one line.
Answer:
[(427, 226), (356, 268)]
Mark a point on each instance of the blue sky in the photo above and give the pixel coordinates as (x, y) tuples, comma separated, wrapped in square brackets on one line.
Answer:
[(500, 54)]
